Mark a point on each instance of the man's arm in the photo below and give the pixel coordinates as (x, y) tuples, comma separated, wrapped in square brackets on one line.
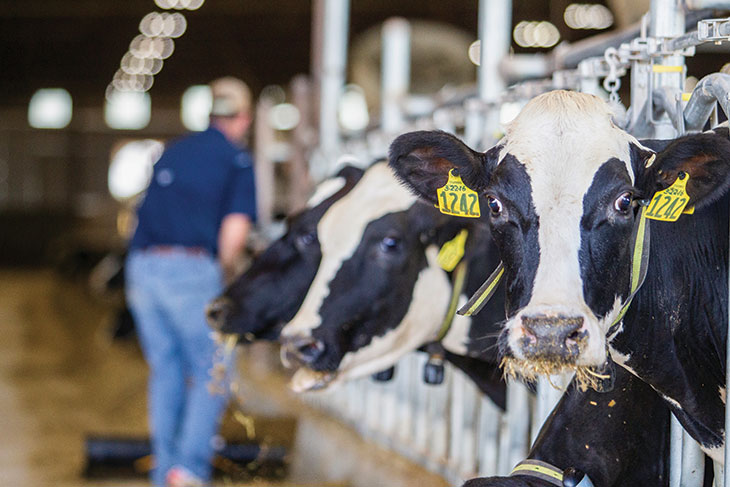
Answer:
[(232, 239)]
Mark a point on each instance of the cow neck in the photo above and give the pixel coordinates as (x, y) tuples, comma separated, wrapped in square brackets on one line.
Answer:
[(674, 335)]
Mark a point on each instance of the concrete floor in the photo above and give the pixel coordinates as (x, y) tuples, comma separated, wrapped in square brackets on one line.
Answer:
[(62, 377)]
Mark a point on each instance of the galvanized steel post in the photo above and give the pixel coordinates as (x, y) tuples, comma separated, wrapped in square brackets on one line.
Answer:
[(395, 72), (666, 21), (334, 21), (495, 34)]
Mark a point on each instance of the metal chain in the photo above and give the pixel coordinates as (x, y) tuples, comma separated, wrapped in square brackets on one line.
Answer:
[(612, 82)]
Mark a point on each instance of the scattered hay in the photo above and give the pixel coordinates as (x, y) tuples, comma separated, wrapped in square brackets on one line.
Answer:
[(530, 370)]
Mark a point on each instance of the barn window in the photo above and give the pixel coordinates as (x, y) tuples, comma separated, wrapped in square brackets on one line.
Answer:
[(50, 108), (127, 110), (195, 107)]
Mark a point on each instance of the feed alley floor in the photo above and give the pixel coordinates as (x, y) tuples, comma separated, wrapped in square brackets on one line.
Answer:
[(62, 378)]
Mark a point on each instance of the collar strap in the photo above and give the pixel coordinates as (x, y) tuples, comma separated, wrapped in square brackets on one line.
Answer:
[(483, 294), (639, 264), (541, 470), (457, 287)]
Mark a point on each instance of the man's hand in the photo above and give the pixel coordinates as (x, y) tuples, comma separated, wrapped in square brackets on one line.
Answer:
[(232, 242)]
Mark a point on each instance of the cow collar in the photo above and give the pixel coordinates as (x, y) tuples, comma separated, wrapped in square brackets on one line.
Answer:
[(550, 473), (459, 281), (541, 470), (434, 368), (451, 259), (639, 265)]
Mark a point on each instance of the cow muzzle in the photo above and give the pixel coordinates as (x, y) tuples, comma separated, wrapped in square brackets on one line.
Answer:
[(218, 312), (301, 350), (554, 338)]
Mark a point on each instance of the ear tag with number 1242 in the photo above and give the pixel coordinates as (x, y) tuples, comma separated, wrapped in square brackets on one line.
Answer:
[(667, 205), (455, 198)]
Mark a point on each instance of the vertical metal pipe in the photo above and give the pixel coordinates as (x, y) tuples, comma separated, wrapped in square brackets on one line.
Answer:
[(547, 397), (495, 34), (495, 30), (395, 72), (726, 472), (489, 421), (518, 418), (315, 63), (469, 431), (265, 183), (666, 21), (300, 183), (437, 419), (335, 22), (456, 446), (640, 75), (693, 463), (675, 453)]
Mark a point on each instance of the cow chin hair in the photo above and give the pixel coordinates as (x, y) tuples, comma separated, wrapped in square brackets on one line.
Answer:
[(530, 370)]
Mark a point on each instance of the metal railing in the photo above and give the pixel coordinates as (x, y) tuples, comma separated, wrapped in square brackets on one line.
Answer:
[(451, 428)]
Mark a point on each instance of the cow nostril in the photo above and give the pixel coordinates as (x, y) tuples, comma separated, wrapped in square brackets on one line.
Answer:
[(310, 350), (529, 334), (575, 335), (217, 312)]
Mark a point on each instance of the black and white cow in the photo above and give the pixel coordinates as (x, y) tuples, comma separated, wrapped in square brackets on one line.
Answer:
[(603, 434), (262, 299), (283, 267), (380, 293), (563, 188)]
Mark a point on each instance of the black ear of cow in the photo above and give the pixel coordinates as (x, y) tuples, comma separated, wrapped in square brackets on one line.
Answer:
[(350, 173), (705, 157), (422, 160)]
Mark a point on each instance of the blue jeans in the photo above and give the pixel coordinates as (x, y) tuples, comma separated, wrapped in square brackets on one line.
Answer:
[(167, 294)]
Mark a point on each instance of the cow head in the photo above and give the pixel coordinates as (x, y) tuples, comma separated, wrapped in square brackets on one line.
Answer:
[(562, 188), (379, 291), (268, 294)]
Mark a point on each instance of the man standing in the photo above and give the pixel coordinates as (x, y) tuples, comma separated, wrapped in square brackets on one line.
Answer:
[(192, 227)]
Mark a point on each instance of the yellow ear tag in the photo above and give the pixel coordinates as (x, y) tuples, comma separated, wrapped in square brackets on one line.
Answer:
[(668, 204), (452, 251), (456, 199)]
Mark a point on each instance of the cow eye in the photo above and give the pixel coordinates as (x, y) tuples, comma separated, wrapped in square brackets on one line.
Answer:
[(495, 206), (389, 244), (623, 203), (306, 239)]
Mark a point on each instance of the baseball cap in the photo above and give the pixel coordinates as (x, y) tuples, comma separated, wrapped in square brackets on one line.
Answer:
[(231, 96)]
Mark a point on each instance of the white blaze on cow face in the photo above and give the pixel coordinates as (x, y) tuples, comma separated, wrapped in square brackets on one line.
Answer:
[(562, 139), (340, 231)]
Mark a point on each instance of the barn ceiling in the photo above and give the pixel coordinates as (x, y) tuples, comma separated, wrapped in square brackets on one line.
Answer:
[(78, 44)]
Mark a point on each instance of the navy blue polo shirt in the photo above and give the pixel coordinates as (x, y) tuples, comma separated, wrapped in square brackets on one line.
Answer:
[(199, 179)]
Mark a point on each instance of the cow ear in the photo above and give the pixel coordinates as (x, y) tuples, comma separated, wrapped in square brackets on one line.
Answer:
[(352, 174), (704, 157), (422, 160)]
